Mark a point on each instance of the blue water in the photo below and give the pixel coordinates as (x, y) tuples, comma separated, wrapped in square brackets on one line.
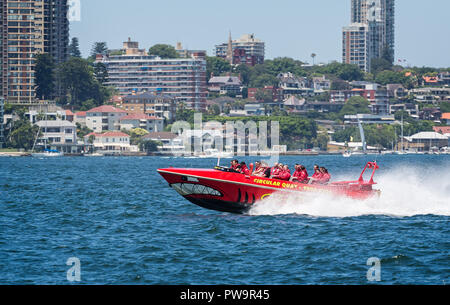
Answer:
[(126, 226)]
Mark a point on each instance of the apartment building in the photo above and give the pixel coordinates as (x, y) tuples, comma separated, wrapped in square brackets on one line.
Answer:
[(150, 103), (183, 79), (355, 41), (29, 27), (104, 118), (372, 29), (143, 121), (245, 50)]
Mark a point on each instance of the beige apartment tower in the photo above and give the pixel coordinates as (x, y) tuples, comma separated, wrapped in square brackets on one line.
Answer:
[(28, 28)]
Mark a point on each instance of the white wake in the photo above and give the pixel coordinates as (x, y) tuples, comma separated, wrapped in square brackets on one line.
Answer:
[(405, 192)]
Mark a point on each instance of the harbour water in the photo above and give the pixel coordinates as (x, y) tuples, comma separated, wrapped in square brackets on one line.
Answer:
[(126, 226)]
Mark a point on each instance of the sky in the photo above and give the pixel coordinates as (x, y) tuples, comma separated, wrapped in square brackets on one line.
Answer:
[(292, 28)]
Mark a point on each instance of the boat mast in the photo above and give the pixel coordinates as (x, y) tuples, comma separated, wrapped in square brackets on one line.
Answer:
[(363, 138), (402, 135)]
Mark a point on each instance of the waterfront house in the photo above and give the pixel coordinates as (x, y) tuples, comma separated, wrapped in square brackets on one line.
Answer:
[(109, 143), (141, 120), (170, 143), (104, 118), (60, 135)]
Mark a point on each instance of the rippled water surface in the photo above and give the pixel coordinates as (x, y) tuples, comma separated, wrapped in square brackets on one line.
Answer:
[(124, 223)]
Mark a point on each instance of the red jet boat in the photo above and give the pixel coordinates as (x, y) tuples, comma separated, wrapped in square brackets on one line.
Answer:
[(223, 189)]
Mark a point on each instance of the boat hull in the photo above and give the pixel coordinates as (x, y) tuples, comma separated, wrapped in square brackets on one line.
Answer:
[(236, 193)]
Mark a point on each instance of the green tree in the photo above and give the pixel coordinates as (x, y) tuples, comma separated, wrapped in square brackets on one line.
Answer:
[(216, 66), (82, 130), (264, 80), (149, 145), (23, 134), (283, 65), (378, 65), (244, 72), (76, 77), (74, 48), (350, 72), (355, 105), (99, 48), (263, 96), (391, 77), (445, 107), (163, 51), (101, 72), (45, 76), (214, 109)]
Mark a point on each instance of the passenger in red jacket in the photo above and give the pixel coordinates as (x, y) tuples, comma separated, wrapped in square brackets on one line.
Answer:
[(316, 176), (304, 175), (234, 165), (275, 171), (244, 169), (297, 173), (326, 177), (284, 174)]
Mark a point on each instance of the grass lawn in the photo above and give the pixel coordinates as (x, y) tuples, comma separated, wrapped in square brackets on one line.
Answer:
[(7, 150)]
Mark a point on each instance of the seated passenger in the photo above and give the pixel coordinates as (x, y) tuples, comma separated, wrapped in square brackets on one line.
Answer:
[(297, 173), (259, 169), (284, 174), (275, 171), (304, 175), (243, 169), (326, 177), (317, 174), (234, 164)]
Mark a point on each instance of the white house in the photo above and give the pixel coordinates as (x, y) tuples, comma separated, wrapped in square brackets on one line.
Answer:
[(112, 142), (104, 118), (58, 132), (140, 120)]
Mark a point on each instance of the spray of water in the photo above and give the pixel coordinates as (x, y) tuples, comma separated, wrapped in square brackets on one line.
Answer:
[(405, 192)]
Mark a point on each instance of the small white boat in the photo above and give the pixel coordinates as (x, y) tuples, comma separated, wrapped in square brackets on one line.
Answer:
[(94, 155), (214, 153), (347, 154)]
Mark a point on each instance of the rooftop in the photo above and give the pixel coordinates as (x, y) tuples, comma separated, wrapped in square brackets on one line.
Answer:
[(160, 135), (108, 134), (57, 123), (106, 108), (427, 135)]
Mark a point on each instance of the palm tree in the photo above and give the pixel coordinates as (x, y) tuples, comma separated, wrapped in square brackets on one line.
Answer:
[(313, 55)]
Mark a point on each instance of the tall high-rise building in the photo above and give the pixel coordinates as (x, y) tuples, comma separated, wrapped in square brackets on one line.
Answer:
[(356, 48), (28, 28), (379, 18)]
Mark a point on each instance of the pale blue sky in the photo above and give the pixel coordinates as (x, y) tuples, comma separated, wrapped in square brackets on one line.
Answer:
[(294, 28)]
